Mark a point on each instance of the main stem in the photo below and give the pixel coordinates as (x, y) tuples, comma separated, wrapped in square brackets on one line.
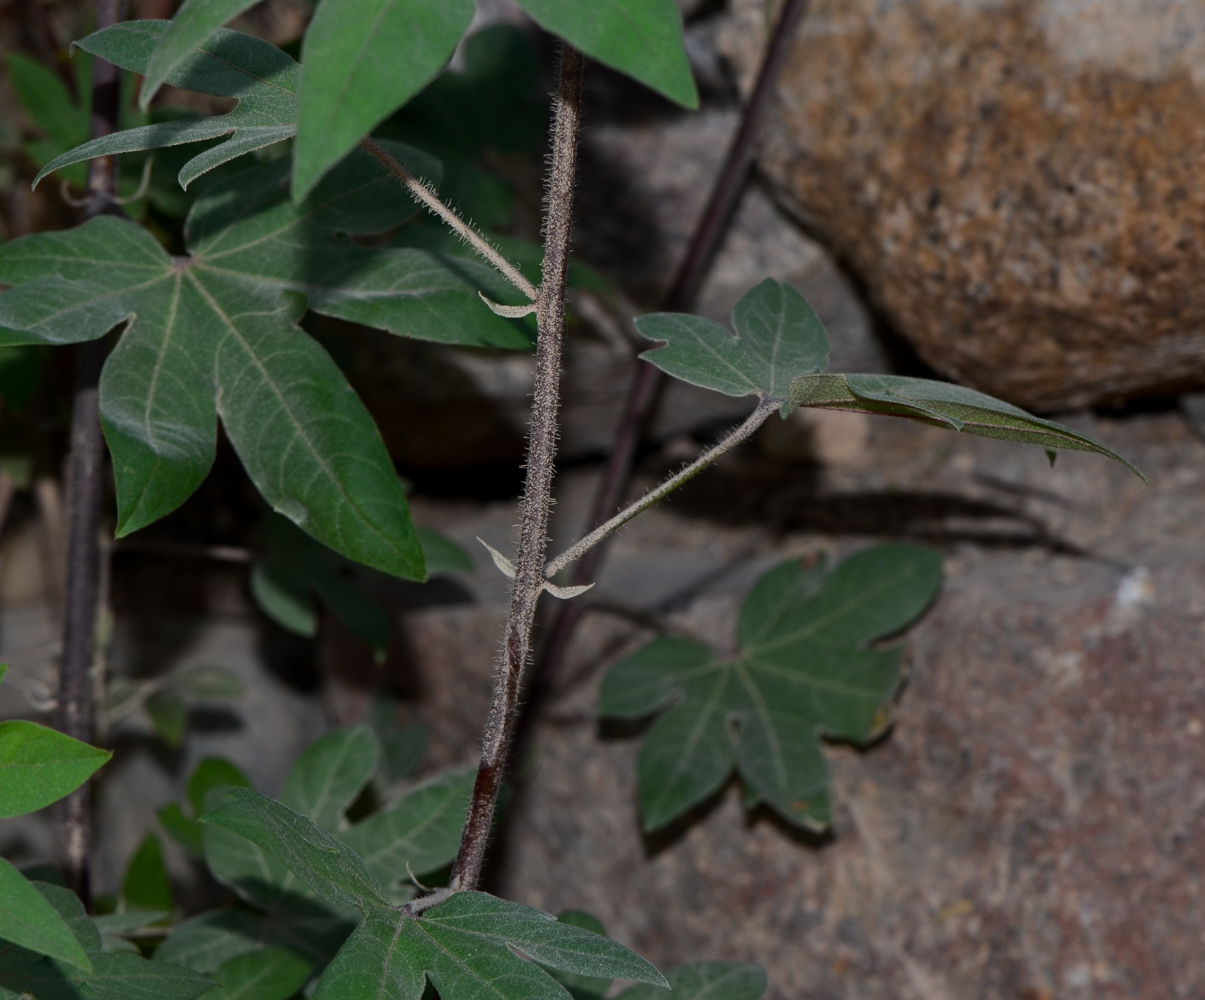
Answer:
[(86, 485), (541, 457)]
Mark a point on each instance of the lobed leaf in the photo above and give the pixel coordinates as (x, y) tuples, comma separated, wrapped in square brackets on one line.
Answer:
[(262, 78), (583, 987), (363, 59), (28, 920), (641, 38), (39, 766), (195, 22), (778, 337), (942, 404), (706, 981), (805, 669), (466, 947)]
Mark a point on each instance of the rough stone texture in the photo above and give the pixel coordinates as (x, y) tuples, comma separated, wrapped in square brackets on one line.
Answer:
[(1015, 181), (1034, 824)]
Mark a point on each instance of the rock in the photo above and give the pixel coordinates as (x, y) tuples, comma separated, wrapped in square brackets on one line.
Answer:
[(1015, 182)]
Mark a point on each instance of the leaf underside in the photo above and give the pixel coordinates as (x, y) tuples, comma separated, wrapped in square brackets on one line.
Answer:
[(805, 669)]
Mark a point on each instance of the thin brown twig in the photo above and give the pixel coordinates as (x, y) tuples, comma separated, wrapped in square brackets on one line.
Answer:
[(86, 484), (541, 457), (647, 380), (426, 196)]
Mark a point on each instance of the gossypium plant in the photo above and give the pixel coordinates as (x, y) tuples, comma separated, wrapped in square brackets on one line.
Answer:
[(214, 334)]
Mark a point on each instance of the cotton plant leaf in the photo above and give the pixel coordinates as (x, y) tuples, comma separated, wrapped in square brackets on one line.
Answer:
[(39, 766), (419, 833), (206, 942), (942, 404), (114, 976), (805, 669), (583, 987), (265, 974), (262, 78), (195, 22), (361, 60), (706, 981), (334, 873), (330, 774), (466, 947), (28, 920), (146, 885), (778, 337), (640, 38)]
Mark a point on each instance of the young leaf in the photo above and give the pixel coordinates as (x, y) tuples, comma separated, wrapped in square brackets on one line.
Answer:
[(146, 884), (804, 670), (941, 404), (778, 337), (194, 23), (706, 981), (642, 38), (39, 766), (28, 920), (335, 873), (421, 830), (229, 64), (466, 947), (265, 974), (363, 59), (330, 775)]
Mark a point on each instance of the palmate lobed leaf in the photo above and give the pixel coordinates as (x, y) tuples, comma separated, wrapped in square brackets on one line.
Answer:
[(804, 669), (260, 76), (779, 351), (361, 61), (641, 38)]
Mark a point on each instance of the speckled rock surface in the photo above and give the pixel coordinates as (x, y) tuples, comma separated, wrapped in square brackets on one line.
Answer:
[(1015, 181)]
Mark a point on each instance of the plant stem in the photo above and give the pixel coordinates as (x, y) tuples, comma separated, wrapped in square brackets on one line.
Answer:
[(739, 434), (426, 196), (541, 456), (647, 380), (86, 485)]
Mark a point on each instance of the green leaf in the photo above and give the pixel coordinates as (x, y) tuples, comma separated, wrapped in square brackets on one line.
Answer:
[(229, 64), (169, 715), (642, 38), (68, 906), (114, 976), (805, 669), (335, 873), (184, 831), (265, 974), (583, 987), (195, 22), (28, 920), (363, 59), (39, 766), (146, 884), (778, 337), (46, 99), (129, 920), (942, 404), (281, 598), (330, 775), (211, 773), (206, 942), (422, 829), (401, 749), (443, 555), (466, 947), (706, 981)]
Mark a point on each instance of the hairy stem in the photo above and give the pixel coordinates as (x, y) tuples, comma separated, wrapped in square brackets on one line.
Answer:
[(427, 197), (647, 380), (541, 456), (739, 434), (86, 485)]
